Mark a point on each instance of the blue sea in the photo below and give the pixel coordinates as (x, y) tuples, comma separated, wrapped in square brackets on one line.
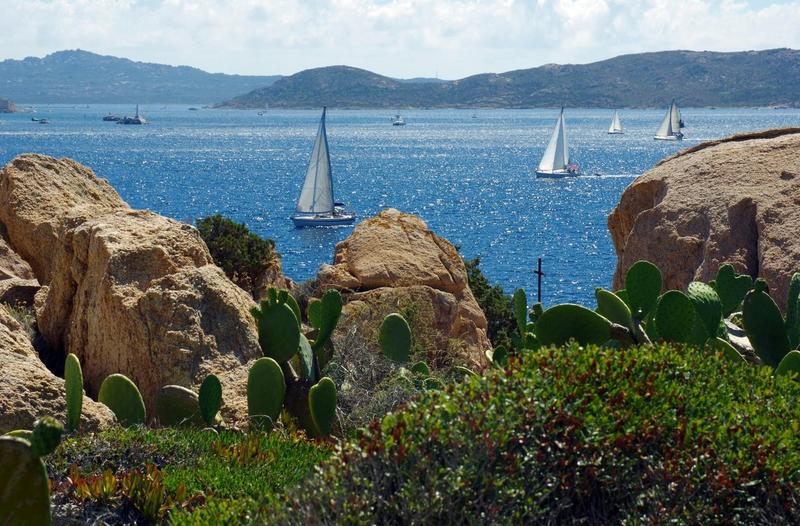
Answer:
[(469, 174)]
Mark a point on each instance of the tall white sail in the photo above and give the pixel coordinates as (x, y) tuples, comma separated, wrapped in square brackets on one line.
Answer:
[(675, 116), (665, 130), (317, 194), (556, 156), (616, 126)]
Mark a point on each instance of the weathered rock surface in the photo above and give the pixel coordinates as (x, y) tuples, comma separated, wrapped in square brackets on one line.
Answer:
[(393, 261), (127, 291), (29, 391), (729, 201)]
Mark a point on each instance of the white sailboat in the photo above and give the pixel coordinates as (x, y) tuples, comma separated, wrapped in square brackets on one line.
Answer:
[(555, 161), (316, 206), (616, 126), (670, 129)]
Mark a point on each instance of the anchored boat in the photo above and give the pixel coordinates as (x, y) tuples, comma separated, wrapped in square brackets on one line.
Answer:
[(316, 206), (670, 129), (555, 162), (616, 126)]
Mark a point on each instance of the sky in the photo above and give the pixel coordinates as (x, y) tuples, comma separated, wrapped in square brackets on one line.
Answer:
[(400, 38)]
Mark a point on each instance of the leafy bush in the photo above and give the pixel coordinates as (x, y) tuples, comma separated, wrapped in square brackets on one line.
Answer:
[(575, 435), (242, 254), (494, 303)]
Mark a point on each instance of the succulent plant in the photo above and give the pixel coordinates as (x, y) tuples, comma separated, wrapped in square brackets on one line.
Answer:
[(642, 288), (73, 384), (562, 323), (729, 351), (731, 288), (613, 308), (121, 395), (266, 389), (764, 325), (324, 314), (792, 314), (707, 306), (498, 357), (789, 364), (674, 317), (519, 302), (395, 338), (210, 399), (464, 372), (421, 368), (322, 405), (278, 325), (178, 406)]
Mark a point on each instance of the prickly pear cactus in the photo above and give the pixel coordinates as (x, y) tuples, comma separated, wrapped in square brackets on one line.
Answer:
[(728, 351), (792, 313), (278, 329), (464, 372), (764, 326), (520, 304), (643, 287), (731, 288), (266, 389), (561, 323), (122, 396), (73, 384), (178, 406), (324, 314), (305, 358), (322, 405), (210, 399), (498, 357), (707, 305), (46, 436), (674, 317), (612, 307), (24, 490), (789, 364), (395, 338), (421, 368)]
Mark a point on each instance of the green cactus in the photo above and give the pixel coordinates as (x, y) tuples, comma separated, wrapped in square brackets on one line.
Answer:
[(305, 358), (612, 307), (178, 406), (324, 314), (120, 395), (764, 325), (210, 399), (395, 338), (792, 315), (498, 357), (266, 389), (46, 436), (643, 287), (561, 323), (520, 304), (535, 311), (73, 384), (25, 434), (728, 351), (433, 384), (465, 372), (421, 368), (24, 486), (731, 288), (674, 316), (278, 326), (789, 364), (322, 406), (707, 305)]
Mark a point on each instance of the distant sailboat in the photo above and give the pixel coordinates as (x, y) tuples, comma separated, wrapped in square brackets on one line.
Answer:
[(555, 161), (670, 129), (398, 120), (616, 127), (316, 206)]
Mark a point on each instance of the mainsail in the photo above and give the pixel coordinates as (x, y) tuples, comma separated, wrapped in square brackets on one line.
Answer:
[(666, 129), (317, 194), (556, 156), (675, 115), (615, 124)]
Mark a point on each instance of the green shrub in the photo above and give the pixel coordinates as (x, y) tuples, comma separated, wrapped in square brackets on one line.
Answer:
[(494, 303), (653, 434), (242, 254)]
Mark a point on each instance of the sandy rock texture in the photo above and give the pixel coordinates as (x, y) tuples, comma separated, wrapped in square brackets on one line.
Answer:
[(729, 201), (29, 391), (392, 261), (127, 291)]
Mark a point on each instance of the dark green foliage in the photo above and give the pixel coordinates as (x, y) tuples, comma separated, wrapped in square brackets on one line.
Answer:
[(421, 368), (642, 287), (239, 252), (596, 436), (395, 338), (266, 389), (764, 325), (278, 328), (494, 303), (707, 305), (73, 384), (322, 405), (176, 405), (793, 312), (731, 288), (674, 316), (520, 304), (562, 323), (789, 364), (210, 399), (46, 436), (323, 315), (24, 493), (122, 396), (613, 307)]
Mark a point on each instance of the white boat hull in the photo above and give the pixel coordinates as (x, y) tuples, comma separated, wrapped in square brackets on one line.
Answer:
[(556, 174), (302, 221), (668, 137), (619, 132)]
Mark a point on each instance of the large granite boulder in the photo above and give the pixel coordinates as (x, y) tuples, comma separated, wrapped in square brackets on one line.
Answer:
[(127, 291), (28, 390), (393, 261), (729, 201)]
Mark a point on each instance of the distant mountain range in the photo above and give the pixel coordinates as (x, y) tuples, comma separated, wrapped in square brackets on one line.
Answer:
[(748, 78), (83, 77)]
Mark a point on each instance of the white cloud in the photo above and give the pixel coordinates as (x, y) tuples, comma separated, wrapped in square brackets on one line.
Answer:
[(394, 37)]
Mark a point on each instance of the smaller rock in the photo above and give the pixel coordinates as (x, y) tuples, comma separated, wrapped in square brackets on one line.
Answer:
[(18, 292)]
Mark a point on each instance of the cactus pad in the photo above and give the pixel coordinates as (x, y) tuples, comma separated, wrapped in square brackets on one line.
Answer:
[(210, 399), (46, 435), (306, 358), (278, 329), (561, 323), (395, 338), (674, 317), (789, 364), (727, 350), (792, 314), (707, 305), (520, 303), (73, 384), (121, 395), (731, 288), (24, 490), (612, 307), (177, 405), (765, 327), (421, 368), (324, 314), (642, 286), (322, 405), (266, 389)]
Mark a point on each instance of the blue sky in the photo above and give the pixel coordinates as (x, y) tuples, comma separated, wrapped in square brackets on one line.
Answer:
[(402, 38)]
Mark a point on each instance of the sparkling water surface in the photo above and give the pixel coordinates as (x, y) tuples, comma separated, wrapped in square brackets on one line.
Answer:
[(469, 174)]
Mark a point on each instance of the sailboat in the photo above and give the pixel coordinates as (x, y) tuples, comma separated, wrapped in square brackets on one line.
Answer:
[(555, 161), (616, 127), (316, 206), (670, 129)]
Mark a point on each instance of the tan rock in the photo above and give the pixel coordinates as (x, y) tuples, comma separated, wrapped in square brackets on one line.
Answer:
[(18, 292), (11, 264), (127, 291), (729, 201), (29, 391), (394, 261)]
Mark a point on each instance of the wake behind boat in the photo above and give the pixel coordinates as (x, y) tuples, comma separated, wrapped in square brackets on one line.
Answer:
[(316, 206), (555, 162), (670, 129), (616, 126)]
